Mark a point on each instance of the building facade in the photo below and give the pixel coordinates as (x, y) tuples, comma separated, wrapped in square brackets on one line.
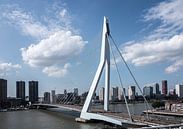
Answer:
[(156, 87), (76, 92), (20, 90), (53, 97), (33, 91), (47, 97), (131, 92), (113, 94), (164, 87), (65, 94), (148, 91), (179, 90), (101, 94), (3, 90), (121, 93)]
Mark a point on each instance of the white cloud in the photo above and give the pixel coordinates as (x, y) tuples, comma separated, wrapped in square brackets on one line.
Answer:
[(63, 13), (28, 25), (7, 67), (56, 41), (147, 52), (164, 43), (175, 66), (56, 49), (65, 17), (54, 71), (169, 13)]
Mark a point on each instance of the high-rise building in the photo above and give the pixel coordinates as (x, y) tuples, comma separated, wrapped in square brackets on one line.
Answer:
[(46, 97), (33, 91), (172, 92), (113, 94), (131, 92), (75, 92), (20, 89), (156, 86), (65, 94), (3, 90), (53, 96), (121, 93), (179, 90), (164, 87), (101, 94), (148, 91)]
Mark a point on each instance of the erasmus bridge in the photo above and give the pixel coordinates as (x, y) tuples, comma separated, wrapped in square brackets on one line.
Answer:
[(126, 120)]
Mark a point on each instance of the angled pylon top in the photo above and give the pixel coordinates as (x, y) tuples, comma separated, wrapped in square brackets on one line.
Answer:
[(106, 26), (105, 44)]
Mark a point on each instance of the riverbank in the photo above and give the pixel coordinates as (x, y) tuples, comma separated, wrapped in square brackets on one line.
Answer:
[(13, 109), (164, 112)]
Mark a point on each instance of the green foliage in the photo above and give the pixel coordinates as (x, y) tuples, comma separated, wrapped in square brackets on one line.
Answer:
[(158, 104)]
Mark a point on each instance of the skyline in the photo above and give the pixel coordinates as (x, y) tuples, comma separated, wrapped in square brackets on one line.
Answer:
[(153, 85), (58, 43)]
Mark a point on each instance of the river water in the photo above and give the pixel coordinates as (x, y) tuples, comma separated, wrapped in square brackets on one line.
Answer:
[(40, 119)]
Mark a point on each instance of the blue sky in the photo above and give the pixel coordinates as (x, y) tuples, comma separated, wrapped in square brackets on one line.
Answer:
[(58, 42)]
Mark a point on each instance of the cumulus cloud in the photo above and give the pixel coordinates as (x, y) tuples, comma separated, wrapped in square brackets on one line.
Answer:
[(148, 52), (54, 71), (7, 67), (56, 41), (56, 49), (165, 42)]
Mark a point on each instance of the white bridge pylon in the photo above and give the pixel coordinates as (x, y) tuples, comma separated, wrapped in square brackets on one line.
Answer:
[(104, 62)]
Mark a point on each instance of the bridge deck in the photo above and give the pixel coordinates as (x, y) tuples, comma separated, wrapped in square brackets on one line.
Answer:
[(123, 117)]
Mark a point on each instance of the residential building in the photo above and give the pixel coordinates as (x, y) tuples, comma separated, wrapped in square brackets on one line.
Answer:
[(131, 92), (156, 87), (113, 94), (3, 90), (53, 97), (65, 94), (121, 93), (172, 92), (101, 94), (179, 90), (20, 89), (75, 92), (164, 87), (33, 91), (46, 97), (148, 91)]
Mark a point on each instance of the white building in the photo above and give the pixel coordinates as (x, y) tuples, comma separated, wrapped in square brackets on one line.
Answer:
[(179, 90), (121, 93), (131, 92), (101, 94), (53, 96)]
